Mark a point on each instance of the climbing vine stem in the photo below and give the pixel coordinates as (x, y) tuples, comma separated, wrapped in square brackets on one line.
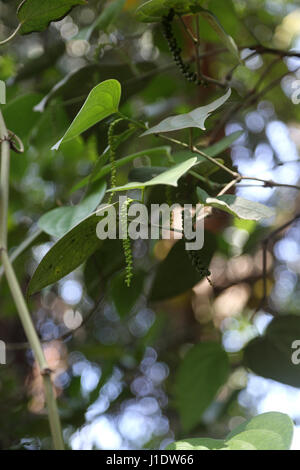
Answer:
[(16, 292)]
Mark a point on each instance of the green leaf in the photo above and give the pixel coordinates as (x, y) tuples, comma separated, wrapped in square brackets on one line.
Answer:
[(223, 144), (108, 15), (270, 355), (195, 118), (101, 171), (146, 173), (274, 422), (154, 10), (176, 274), (66, 255), (35, 15), (195, 384), (237, 206), (203, 166), (102, 101), (197, 444), (227, 40), (268, 431), (169, 177), (21, 106), (59, 221), (124, 298)]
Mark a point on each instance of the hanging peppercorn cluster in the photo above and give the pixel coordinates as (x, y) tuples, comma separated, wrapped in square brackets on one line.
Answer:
[(112, 152), (195, 257), (126, 241), (176, 50)]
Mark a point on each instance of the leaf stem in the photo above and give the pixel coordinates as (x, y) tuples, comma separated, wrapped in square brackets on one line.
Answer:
[(5, 41)]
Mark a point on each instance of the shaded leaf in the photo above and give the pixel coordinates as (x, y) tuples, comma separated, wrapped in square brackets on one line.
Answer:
[(195, 384), (35, 15), (124, 298), (223, 144), (195, 118), (59, 221), (21, 106), (176, 274), (270, 355), (154, 10), (226, 39), (66, 255)]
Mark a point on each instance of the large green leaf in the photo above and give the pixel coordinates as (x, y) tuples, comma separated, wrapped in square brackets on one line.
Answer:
[(35, 15), (154, 10), (268, 431), (59, 221), (66, 255), (102, 101), (195, 118), (107, 16), (275, 422), (197, 444), (270, 355), (169, 177), (237, 206), (201, 374), (176, 274)]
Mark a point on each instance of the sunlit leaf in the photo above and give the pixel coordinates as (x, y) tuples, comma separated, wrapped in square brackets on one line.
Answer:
[(237, 206), (169, 177), (274, 422), (35, 15), (197, 444), (268, 431), (195, 118), (101, 170), (102, 101)]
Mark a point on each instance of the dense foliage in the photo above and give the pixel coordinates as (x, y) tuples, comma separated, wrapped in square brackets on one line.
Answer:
[(165, 101)]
